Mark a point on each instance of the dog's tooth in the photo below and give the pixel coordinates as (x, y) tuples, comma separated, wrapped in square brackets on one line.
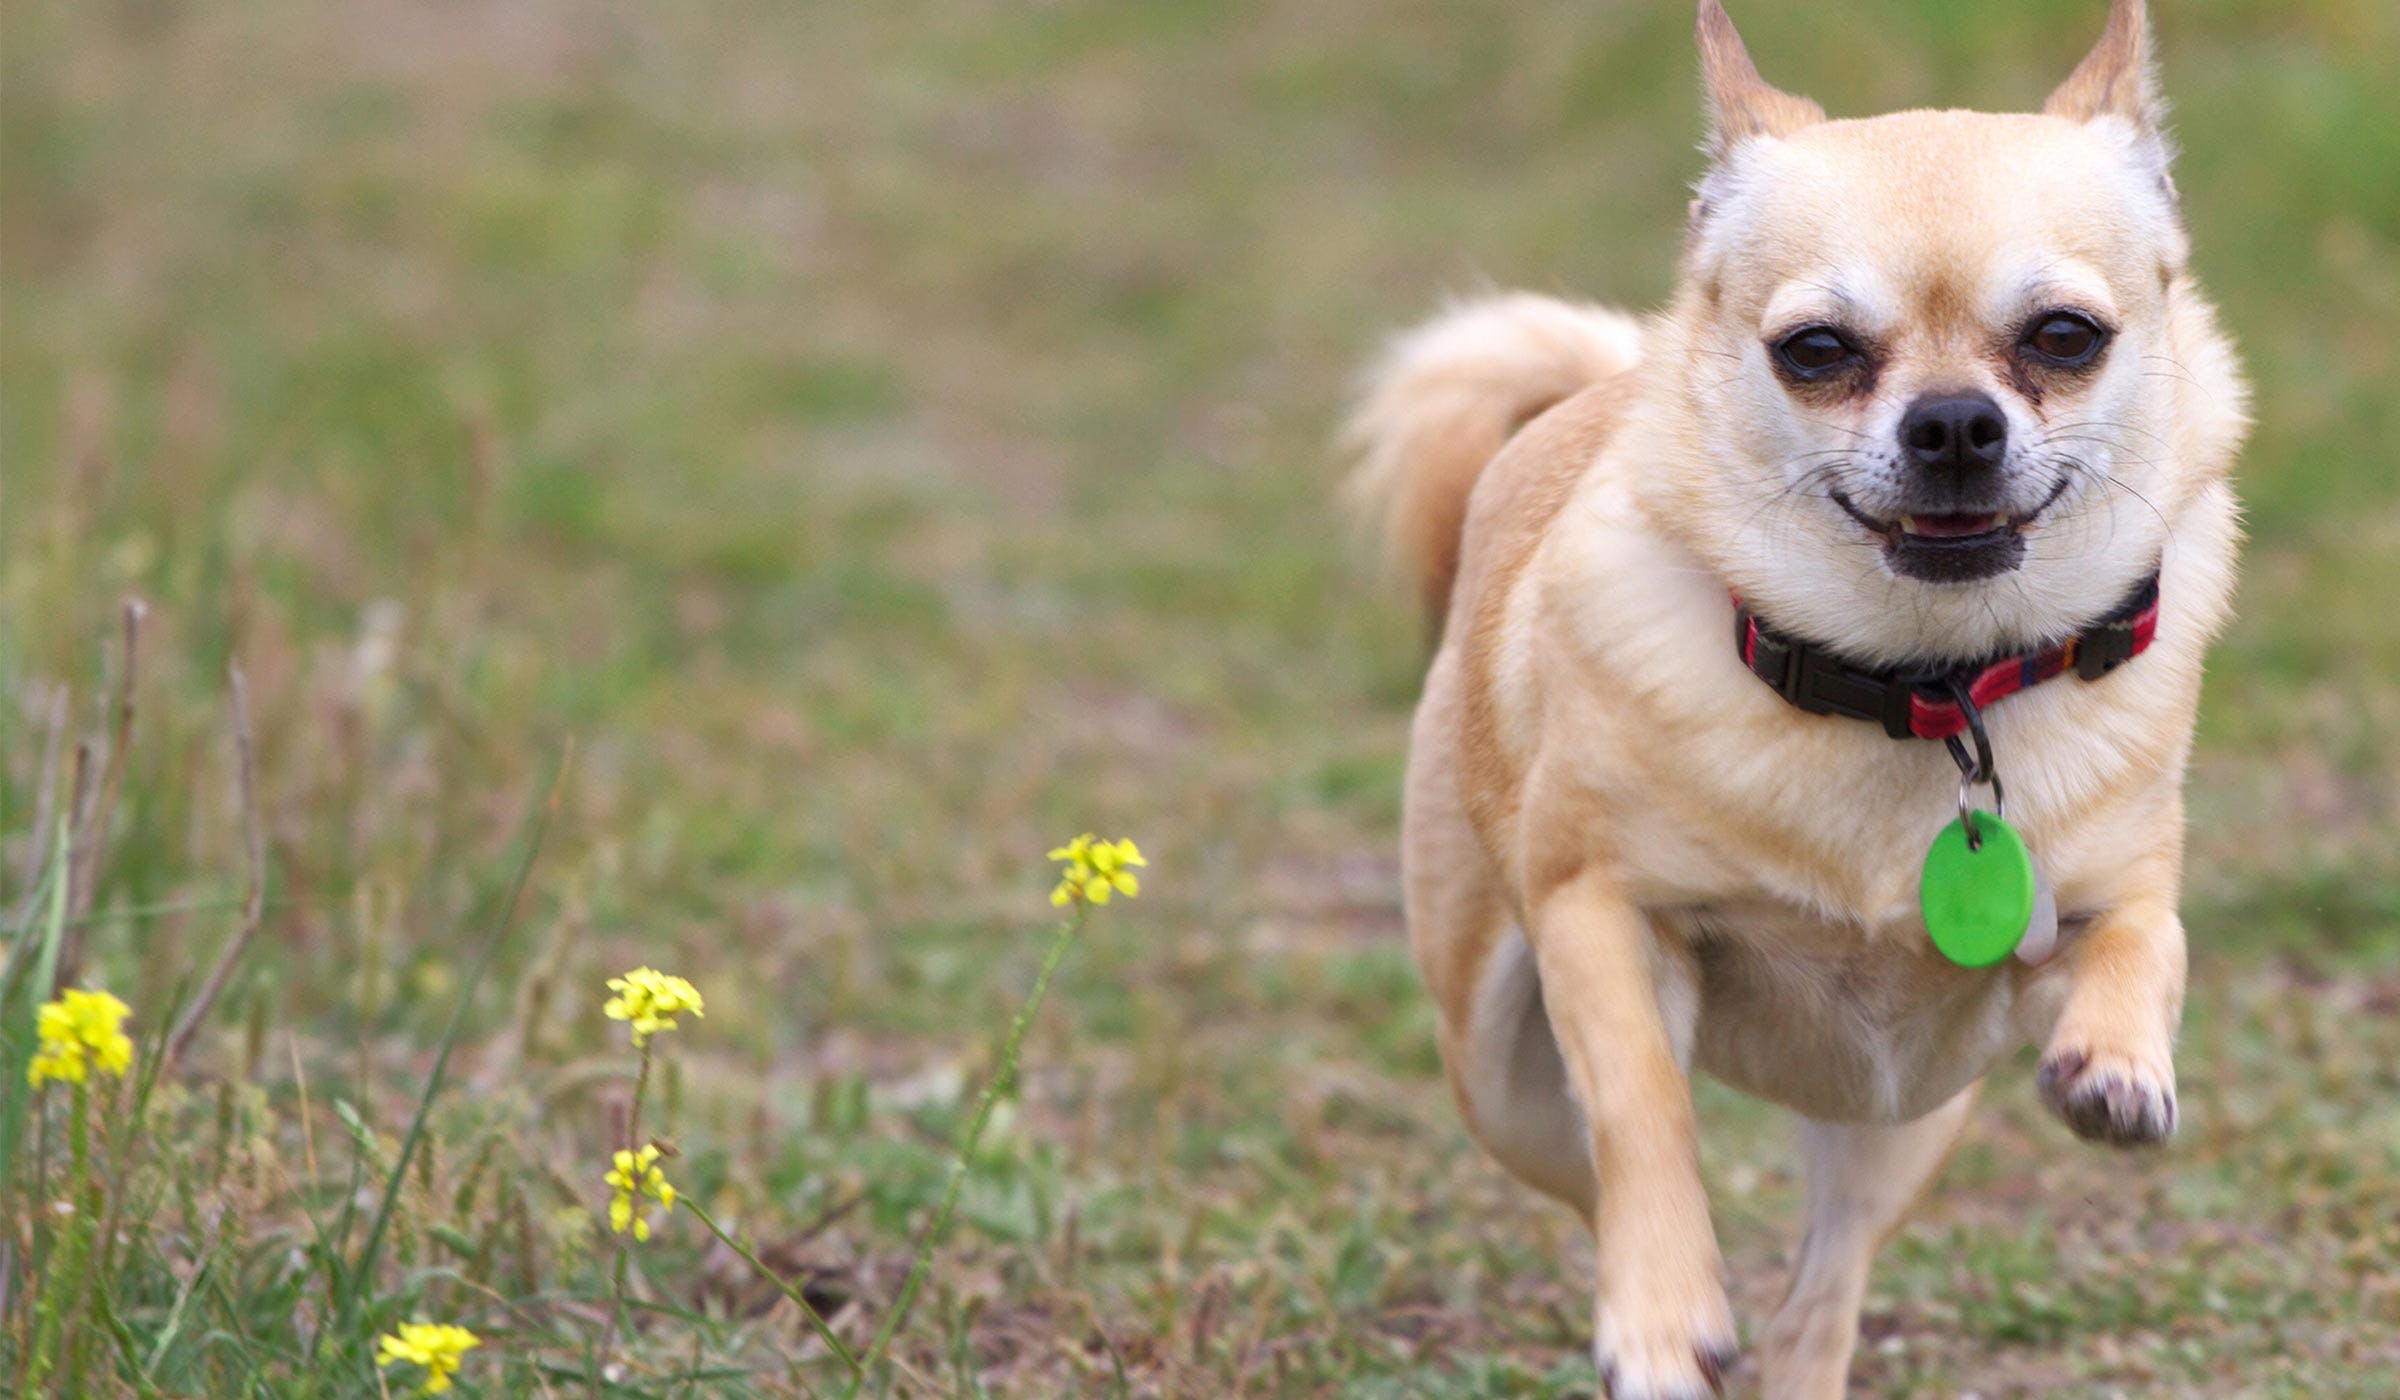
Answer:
[(1908, 524)]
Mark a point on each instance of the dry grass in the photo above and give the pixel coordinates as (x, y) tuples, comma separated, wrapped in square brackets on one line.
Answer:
[(883, 439)]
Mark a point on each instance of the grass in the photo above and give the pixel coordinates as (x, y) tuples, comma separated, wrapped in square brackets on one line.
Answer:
[(879, 440)]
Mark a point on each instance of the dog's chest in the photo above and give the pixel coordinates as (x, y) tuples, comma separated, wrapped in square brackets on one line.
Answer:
[(1842, 1024)]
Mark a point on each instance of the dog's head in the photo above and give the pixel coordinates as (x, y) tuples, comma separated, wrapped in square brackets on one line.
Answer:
[(1944, 369)]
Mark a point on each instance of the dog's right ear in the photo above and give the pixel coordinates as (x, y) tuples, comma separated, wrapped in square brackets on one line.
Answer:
[(1740, 103)]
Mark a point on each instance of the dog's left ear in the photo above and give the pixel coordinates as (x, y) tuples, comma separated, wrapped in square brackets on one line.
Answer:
[(2117, 78)]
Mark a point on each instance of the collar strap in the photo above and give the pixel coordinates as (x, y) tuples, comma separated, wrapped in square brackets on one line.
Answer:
[(1921, 703)]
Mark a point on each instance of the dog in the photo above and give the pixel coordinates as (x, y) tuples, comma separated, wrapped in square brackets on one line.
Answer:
[(1933, 441)]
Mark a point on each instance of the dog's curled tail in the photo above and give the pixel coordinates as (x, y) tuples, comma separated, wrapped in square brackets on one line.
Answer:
[(1444, 399)]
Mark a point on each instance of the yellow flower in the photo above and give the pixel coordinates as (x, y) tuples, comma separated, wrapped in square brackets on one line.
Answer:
[(1096, 870), (436, 1346), (78, 1030), (651, 1000), (637, 1174)]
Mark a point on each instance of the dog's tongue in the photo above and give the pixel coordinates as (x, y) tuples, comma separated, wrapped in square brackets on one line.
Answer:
[(1949, 526)]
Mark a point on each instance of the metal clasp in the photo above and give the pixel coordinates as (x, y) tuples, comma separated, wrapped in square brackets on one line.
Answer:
[(1976, 769)]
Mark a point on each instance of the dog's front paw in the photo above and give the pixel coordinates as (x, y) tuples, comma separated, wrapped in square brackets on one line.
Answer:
[(1653, 1348), (2124, 1100)]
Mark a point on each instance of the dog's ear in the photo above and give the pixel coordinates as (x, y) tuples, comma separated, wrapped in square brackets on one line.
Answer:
[(2116, 79), (1740, 103)]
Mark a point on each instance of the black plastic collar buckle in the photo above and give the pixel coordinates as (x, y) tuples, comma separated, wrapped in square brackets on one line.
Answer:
[(1819, 683), (2102, 650)]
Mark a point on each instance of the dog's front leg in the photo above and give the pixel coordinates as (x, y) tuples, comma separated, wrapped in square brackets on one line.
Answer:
[(1663, 1329), (2109, 1069)]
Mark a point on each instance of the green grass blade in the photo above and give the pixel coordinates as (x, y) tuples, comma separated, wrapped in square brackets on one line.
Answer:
[(816, 1322), (537, 823), (19, 996)]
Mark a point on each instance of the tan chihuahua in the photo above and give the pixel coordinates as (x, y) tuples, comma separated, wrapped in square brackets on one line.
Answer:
[(1931, 444)]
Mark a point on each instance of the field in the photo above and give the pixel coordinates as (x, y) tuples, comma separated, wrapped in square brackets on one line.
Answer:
[(796, 464)]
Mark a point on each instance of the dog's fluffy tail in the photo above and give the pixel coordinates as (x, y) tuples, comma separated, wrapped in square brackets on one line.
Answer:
[(1444, 399)]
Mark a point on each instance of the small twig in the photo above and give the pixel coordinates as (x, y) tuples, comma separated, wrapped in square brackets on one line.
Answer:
[(68, 843), (93, 844), (823, 1220), (254, 902)]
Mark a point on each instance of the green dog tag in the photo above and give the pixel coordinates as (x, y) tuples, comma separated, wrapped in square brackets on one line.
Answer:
[(1977, 903)]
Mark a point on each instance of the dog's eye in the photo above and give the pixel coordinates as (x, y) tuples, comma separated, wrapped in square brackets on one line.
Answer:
[(1816, 351), (2065, 339)]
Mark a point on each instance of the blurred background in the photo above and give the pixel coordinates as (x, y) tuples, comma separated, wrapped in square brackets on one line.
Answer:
[(884, 439)]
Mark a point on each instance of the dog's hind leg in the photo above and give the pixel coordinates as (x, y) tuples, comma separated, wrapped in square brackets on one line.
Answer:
[(1503, 1064), (1513, 1085), (1861, 1181)]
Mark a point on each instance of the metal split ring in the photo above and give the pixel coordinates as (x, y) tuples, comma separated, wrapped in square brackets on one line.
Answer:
[(1966, 810)]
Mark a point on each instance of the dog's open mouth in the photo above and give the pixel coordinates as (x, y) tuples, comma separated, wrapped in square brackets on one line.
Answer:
[(1953, 527), (1952, 547)]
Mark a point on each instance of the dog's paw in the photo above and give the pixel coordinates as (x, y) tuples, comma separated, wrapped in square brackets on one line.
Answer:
[(1664, 1353), (2122, 1100)]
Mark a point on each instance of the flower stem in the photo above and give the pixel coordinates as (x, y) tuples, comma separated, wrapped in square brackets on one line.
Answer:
[(633, 1143), (89, 1210), (1002, 1079), (641, 1090), (815, 1319), (59, 1310)]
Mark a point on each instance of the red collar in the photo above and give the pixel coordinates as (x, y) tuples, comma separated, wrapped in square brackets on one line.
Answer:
[(1923, 702)]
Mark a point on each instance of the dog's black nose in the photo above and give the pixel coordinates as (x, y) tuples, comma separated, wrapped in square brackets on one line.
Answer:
[(1954, 433)]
